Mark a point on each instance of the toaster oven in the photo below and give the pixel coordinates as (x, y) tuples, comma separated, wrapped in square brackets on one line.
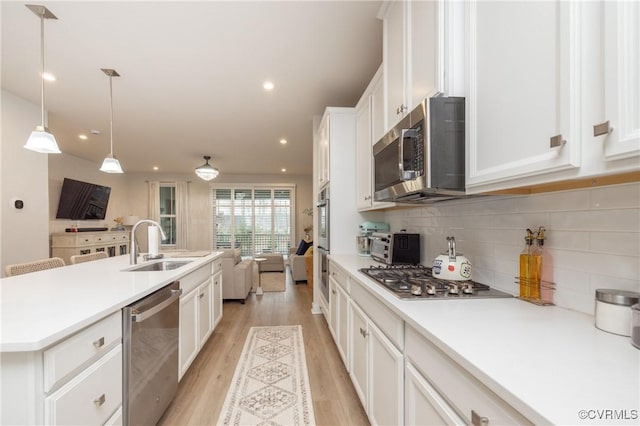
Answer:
[(395, 249)]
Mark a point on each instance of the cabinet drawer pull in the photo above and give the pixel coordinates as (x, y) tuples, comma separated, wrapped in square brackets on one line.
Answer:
[(602, 129), (556, 141), (478, 420), (99, 400), (99, 343)]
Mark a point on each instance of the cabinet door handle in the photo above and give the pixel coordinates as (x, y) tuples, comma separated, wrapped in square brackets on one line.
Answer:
[(215, 282), (556, 141), (201, 295), (478, 420), (363, 332), (333, 291), (99, 343), (100, 400), (602, 129)]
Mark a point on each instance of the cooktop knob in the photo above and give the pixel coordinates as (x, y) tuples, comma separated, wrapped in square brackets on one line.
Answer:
[(431, 289), (467, 288), (453, 288)]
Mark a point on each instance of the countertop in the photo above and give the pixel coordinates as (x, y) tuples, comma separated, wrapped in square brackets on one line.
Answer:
[(40, 308), (547, 362)]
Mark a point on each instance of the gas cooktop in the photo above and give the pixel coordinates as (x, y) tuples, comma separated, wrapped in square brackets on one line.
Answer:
[(415, 282)]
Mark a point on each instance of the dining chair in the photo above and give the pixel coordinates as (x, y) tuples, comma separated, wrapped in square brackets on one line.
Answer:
[(79, 258), (36, 265)]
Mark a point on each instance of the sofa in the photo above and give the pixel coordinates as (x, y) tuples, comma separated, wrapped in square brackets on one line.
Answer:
[(298, 265), (237, 275)]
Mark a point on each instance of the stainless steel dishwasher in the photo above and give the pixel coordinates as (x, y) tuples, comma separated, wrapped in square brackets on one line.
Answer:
[(150, 340)]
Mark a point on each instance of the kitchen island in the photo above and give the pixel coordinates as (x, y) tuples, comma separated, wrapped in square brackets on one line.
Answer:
[(61, 331), (523, 363)]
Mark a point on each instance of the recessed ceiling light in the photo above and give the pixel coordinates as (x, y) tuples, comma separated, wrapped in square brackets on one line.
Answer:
[(83, 137), (283, 170), (268, 85), (283, 141), (48, 76), (156, 168)]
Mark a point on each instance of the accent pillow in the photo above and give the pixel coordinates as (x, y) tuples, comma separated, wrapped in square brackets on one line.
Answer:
[(303, 246)]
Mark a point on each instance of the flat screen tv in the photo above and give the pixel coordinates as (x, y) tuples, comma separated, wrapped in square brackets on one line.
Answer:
[(82, 200)]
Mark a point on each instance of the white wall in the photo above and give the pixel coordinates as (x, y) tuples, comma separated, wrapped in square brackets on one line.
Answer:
[(593, 238), (200, 195), (67, 166), (24, 234), (129, 196)]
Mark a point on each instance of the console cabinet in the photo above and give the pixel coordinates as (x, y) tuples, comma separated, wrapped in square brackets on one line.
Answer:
[(67, 244)]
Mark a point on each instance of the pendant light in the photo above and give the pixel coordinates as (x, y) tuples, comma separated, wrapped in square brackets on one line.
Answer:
[(41, 140), (110, 163), (206, 172)]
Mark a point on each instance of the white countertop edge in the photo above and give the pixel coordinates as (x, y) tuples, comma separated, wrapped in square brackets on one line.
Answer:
[(167, 278)]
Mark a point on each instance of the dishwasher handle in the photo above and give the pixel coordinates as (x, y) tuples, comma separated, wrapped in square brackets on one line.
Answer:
[(141, 316)]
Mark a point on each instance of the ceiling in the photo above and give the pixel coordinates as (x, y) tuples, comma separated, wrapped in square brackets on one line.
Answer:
[(191, 77)]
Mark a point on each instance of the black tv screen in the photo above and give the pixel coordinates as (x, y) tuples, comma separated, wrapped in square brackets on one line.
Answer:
[(82, 200)]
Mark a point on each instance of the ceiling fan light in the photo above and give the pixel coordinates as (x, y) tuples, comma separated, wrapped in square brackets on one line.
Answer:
[(206, 172), (41, 140), (111, 165)]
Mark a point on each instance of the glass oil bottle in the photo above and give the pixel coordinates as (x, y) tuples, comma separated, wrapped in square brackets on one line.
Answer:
[(546, 287), (530, 268)]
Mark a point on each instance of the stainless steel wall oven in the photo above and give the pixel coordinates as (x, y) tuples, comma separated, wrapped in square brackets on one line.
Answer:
[(323, 240)]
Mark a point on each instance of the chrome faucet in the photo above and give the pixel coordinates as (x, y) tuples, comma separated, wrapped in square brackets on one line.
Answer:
[(134, 249)]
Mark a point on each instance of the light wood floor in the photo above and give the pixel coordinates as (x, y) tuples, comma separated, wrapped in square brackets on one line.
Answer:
[(203, 388)]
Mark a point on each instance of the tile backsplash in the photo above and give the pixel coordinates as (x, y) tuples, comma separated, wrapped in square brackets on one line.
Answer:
[(593, 238)]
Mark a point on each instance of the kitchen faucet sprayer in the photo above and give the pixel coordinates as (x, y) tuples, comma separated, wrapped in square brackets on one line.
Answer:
[(134, 249)]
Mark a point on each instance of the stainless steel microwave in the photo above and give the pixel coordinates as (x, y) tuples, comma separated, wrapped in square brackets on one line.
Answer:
[(422, 159)]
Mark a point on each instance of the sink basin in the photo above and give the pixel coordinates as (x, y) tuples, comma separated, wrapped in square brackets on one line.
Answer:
[(165, 265)]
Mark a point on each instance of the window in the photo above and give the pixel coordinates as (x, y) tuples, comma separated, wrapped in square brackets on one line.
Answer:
[(168, 212), (257, 219)]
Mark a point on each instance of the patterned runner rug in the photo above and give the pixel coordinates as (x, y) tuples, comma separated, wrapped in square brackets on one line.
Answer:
[(271, 384)]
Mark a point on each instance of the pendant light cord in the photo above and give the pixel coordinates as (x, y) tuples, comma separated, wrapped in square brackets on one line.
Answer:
[(111, 106), (42, 67)]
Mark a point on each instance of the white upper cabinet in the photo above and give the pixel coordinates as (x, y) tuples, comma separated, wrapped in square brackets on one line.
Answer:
[(523, 98), (544, 80), (323, 152), (369, 129), (411, 40), (621, 81)]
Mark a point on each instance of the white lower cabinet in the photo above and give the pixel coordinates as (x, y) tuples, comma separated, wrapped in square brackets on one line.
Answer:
[(386, 380), (339, 318), (339, 310), (423, 405), (376, 370), (471, 399), (91, 397), (216, 309), (200, 311), (205, 325), (359, 368), (188, 330), (77, 380)]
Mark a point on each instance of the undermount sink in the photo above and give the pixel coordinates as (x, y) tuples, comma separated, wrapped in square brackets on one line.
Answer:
[(165, 265)]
